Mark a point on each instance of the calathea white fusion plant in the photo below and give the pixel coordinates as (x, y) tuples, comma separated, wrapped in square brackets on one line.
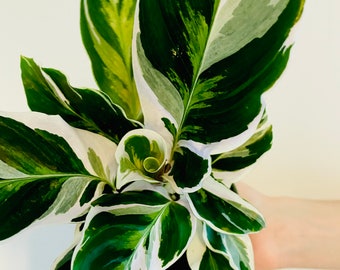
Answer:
[(145, 165)]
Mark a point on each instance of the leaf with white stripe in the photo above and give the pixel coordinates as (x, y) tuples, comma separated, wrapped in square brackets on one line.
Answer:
[(106, 28), (48, 91), (224, 210), (142, 154), (228, 167), (189, 169), (236, 248), (248, 153), (201, 257), (179, 56), (158, 231), (44, 178)]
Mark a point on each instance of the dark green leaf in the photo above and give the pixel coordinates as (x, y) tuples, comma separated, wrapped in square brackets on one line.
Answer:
[(230, 215), (235, 248), (125, 237), (48, 91), (214, 261), (219, 62), (189, 168), (40, 176), (36, 151), (246, 154), (145, 197), (170, 127)]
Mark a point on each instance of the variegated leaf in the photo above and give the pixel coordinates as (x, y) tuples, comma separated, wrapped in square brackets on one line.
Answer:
[(158, 231), (41, 176), (214, 261), (236, 248), (189, 169), (223, 210), (248, 153), (217, 57), (229, 166), (142, 154), (201, 257), (192, 73), (48, 91), (106, 28)]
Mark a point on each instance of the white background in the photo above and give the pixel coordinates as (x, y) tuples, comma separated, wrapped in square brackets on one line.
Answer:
[(303, 106)]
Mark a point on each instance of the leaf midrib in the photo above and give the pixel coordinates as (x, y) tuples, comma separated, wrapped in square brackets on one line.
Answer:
[(31, 178), (148, 230), (196, 77)]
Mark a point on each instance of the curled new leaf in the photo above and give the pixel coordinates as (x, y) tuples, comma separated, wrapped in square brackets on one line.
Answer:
[(142, 155)]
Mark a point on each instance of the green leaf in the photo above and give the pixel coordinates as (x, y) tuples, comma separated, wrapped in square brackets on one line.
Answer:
[(170, 127), (36, 152), (224, 210), (42, 177), (248, 153), (48, 91), (128, 199), (141, 155), (236, 248), (201, 257), (157, 94), (189, 168), (134, 233), (219, 57), (106, 28), (214, 250), (214, 261)]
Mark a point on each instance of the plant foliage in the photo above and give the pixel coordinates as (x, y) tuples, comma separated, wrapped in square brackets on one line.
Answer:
[(144, 165)]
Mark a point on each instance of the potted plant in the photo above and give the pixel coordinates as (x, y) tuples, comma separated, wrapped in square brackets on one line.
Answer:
[(145, 164)]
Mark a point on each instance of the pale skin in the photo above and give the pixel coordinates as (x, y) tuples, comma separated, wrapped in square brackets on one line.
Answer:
[(300, 233)]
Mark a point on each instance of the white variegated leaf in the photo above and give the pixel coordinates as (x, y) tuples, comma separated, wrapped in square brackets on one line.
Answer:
[(236, 248), (142, 154), (96, 152), (56, 170), (148, 220)]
